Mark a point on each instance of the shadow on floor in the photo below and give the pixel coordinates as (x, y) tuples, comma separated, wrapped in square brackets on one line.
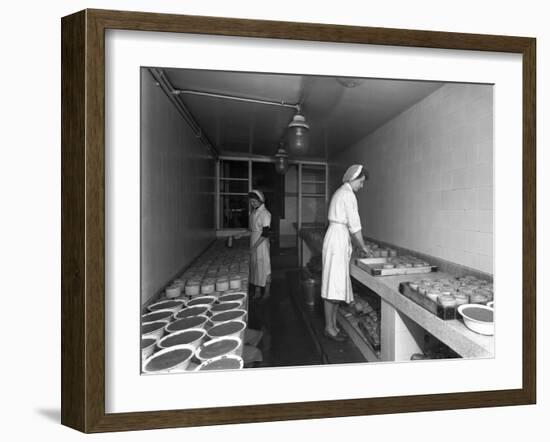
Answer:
[(51, 414), (286, 341)]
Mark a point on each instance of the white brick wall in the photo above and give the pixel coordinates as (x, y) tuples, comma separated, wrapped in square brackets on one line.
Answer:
[(177, 197), (431, 177)]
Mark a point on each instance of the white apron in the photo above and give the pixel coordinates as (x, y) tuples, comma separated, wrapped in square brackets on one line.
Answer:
[(337, 250), (344, 220), (260, 262)]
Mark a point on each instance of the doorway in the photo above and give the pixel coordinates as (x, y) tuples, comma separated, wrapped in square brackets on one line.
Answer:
[(272, 184)]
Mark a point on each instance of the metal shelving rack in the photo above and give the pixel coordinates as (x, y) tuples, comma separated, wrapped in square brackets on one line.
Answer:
[(220, 191), (316, 176)]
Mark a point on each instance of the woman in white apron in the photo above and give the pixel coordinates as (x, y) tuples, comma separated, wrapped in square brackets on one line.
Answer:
[(258, 229), (344, 224)]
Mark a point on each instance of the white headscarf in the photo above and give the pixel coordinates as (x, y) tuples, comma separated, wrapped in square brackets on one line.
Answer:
[(258, 194), (352, 173)]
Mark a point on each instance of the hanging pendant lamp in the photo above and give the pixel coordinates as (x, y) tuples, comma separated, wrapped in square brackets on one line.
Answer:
[(298, 135), (281, 161)]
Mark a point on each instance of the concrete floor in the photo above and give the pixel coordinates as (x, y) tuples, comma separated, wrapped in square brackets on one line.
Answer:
[(292, 330)]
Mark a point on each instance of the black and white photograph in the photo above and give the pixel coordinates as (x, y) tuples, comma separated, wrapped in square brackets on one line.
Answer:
[(270, 221), (300, 220)]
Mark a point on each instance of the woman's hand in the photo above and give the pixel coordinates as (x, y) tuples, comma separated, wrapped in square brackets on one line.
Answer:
[(240, 235), (366, 252)]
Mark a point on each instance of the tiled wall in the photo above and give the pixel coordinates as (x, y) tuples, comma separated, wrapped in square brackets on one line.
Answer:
[(431, 177), (177, 191)]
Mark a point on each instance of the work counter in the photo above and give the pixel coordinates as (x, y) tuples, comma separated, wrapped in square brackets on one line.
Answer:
[(398, 310), (403, 322)]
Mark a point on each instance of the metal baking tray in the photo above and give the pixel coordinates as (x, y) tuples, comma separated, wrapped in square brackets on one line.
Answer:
[(374, 267)]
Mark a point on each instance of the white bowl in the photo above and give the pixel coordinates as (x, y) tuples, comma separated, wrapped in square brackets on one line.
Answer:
[(202, 300), (198, 321), (232, 297), (149, 349), (235, 347), (156, 332), (194, 310), (475, 324), (157, 315), (236, 329), (168, 304), (234, 315), (491, 304), (225, 306), (237, 296), (179, 366), (214, 364), (183, 335)]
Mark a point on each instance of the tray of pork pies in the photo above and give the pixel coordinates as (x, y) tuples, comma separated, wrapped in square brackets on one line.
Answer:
[(395, 265), (443, 297)]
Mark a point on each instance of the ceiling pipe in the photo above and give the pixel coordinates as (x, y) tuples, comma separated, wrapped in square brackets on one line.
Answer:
[(297, 129), (163, 82), (236, 98)]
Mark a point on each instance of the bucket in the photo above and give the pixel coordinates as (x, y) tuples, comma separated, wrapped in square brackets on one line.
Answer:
[(222, 284), (192, 288), (175, 358), (235, 282), (207, 286), (173, 291), (310, 291), (222, 363)]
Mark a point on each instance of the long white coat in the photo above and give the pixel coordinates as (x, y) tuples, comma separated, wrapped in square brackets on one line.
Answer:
[(343, 216), (260, 262)]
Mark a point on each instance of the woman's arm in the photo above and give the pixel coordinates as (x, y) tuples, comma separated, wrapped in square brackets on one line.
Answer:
[(354, 225), (358, 239), (242, 234)]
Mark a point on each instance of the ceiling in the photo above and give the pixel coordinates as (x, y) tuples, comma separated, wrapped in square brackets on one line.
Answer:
[(338, 116)]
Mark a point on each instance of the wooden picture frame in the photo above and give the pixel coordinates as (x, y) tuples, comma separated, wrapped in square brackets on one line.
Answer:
[(83, 219)]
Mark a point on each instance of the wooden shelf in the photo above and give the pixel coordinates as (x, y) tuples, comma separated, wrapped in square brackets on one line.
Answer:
[(313, 182), (234, 179), (305, 195), (350, 326)]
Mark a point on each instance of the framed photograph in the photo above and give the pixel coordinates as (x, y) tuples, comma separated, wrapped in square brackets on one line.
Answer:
[(267, 221)]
